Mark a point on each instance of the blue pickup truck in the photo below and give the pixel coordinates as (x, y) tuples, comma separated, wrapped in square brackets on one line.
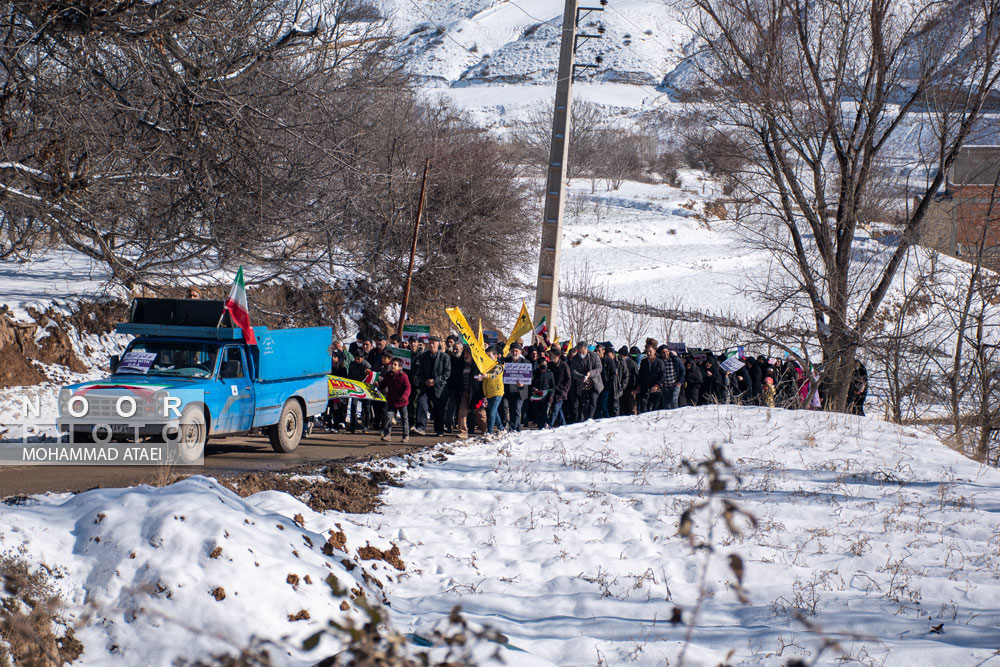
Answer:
[(187, 382)]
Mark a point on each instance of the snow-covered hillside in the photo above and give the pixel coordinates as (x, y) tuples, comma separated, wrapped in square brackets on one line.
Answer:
[(875, 536), (496, 58)]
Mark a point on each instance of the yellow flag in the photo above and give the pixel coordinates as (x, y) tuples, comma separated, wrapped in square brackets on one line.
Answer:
[(483, 362), (521, 327), (479, 338)]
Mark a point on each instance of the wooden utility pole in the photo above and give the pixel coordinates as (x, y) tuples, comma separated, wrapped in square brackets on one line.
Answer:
[(413, 250), (547, 285)]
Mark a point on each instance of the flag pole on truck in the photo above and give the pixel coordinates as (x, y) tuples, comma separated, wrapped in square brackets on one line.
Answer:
[(238, 309)]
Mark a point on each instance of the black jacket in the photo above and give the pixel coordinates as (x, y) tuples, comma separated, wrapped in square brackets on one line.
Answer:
[(358, 369), (611, 375), (562, 380), (632, 374), (435, 367), (455, 379), (650, 373)]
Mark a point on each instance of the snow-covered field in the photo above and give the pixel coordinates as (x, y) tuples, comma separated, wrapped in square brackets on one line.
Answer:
[(873, 535)]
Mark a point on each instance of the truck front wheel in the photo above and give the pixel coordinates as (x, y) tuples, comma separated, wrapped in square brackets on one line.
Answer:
[(286, 434), (191, 434)]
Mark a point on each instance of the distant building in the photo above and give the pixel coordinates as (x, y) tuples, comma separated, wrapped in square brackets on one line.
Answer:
[(967, 212)]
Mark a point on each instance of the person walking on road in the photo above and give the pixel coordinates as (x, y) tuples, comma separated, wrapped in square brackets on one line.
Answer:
[(396, 387), (435, 369)]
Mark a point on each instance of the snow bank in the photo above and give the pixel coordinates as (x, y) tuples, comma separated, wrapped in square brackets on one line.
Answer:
[(192, 570), (566, 541)]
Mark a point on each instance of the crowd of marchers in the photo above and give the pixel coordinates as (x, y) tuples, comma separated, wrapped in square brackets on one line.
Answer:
[(444, 389)]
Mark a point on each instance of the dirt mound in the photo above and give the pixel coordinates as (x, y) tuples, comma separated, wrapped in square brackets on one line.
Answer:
[(17, 342), (47, 339), (352, 492)]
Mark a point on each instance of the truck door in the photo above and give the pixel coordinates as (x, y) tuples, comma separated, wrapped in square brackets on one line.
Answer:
[(237, 412)]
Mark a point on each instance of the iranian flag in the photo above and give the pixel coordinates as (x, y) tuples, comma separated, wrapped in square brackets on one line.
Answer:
[(236, 305), (542, 329)]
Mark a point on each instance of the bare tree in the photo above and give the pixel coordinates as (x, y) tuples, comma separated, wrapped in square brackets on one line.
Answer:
[(193, 132), (818, 95), (583, 313), (906, 342), (633, 324), (586, 121)]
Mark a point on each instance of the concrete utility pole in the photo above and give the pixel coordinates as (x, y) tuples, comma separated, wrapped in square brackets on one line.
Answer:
[(413, 250), (547, 285)]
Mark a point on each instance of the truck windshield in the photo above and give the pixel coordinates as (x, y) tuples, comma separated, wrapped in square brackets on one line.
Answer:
[(193, 360)]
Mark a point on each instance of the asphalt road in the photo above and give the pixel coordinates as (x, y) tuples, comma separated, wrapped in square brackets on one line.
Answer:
[(223, 458)]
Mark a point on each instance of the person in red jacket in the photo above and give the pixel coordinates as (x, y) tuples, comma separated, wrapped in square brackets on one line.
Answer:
[(396, 388)]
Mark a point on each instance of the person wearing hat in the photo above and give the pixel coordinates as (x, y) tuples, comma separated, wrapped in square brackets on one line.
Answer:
[(376, 353), (435, 369), (193, 292), (562, 381), (454, 391), (585, 369), (492, 390), (630, 385), (516, 393), (358, 370)]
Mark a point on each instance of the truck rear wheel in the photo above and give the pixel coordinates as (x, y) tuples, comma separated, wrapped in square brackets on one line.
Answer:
[(286, 434), (192, 434)]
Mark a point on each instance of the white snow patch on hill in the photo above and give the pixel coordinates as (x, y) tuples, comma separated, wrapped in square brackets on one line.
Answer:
[(57, 276)]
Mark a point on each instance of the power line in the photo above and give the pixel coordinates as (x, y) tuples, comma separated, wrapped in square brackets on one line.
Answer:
[(444, 32), (532, 16)]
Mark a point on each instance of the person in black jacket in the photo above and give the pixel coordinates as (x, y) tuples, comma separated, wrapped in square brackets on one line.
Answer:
[(358, 370), (693, 380), (562, 381), (756, 380), (585, 369), (435, 369), (857, 392), (614, 381), (516, 393), (650, 378), (711, 383), (453, 395), (630, 385), (542, 384)]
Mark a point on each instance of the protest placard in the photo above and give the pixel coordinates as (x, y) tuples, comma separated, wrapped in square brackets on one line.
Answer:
[(490, 337), (678, 348), (421, 332), (403, 355), (732, 364), (520, 372)]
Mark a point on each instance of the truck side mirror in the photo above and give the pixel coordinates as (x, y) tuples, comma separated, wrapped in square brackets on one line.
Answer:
[(114, 362)]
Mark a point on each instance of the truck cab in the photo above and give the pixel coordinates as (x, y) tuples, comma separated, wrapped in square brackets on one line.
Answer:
[(188, 381)]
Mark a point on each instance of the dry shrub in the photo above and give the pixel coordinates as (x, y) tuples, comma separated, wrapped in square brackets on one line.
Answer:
[(32, 629)]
